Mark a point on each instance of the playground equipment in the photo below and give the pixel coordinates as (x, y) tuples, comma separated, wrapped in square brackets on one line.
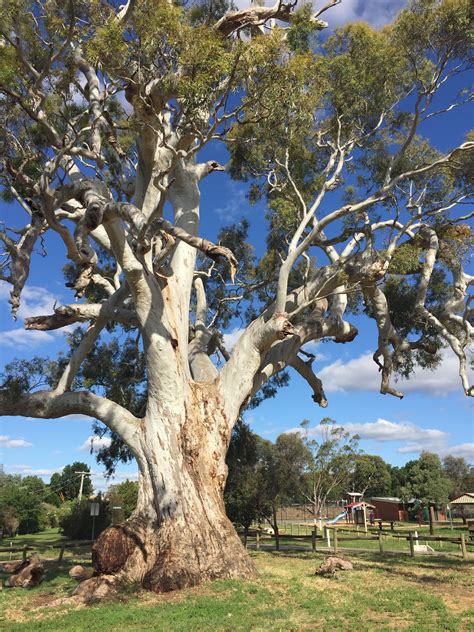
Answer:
[(340, 516)]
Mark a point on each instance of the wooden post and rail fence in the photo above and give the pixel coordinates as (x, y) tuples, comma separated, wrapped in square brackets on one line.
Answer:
[(340, 535), (62, 546)]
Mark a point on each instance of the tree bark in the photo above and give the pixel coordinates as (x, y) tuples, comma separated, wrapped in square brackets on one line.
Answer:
[(179, 534)]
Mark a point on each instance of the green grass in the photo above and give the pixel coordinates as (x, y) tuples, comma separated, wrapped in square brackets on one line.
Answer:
[(425, 594)]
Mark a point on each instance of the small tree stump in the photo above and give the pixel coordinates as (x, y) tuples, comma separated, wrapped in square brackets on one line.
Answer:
[(80, 573), (332, 564)]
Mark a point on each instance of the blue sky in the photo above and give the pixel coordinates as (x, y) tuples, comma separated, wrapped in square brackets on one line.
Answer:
[(434, 415)]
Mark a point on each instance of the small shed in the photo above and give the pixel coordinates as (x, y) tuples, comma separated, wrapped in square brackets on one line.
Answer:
[(390, 509), (463, 502), (464, 499)]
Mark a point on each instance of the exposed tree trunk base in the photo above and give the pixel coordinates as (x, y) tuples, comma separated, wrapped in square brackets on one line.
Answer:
[(168, 559)]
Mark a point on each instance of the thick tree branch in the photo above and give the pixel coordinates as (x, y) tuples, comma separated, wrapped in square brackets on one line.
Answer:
[(49, 405)]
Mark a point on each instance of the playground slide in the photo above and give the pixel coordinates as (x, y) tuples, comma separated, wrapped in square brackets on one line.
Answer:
[(337, 518)]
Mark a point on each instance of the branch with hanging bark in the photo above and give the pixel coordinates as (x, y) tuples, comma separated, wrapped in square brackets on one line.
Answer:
[(255, 17)]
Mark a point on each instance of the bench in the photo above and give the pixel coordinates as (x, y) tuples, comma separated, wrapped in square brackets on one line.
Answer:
[(470, 526)]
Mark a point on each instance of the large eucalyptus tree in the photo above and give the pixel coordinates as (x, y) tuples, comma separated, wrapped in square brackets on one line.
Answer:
[(105, 111)]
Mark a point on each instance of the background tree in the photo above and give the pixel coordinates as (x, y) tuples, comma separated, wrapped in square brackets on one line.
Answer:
[(458, 472), (69, 482), (371, 476), (76, 524), (283, 466), (427, 483), (104, 114), (124, 495), (244, 494), (22, 504), (331, 463), (398, 477), (456, 469)]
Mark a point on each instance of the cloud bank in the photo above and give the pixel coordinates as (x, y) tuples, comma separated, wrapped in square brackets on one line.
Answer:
[(361, 374), (414, 438)]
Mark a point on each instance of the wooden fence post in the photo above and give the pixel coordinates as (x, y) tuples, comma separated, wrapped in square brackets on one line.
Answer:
[(257, 540), (463, 546), (24, 552), (335, 540), (61, 552), (412, 544), (380, 544), (313, 538)]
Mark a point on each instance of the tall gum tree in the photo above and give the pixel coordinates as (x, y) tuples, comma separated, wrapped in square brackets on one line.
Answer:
[(105, 111)]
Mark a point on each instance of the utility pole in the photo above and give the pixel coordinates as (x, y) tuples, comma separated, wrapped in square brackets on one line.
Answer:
[(82, 474)]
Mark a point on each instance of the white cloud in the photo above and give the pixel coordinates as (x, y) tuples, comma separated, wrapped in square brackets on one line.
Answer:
[(464, 450), (25, 338), (7, 442), (101, 482), (384, 430), (362, 374), (414, 438), (231, 338), (27, 470), (35, 301), (236, 204), (314, 347), (78, 418), (375, 12), (65, 418), (94, 444)]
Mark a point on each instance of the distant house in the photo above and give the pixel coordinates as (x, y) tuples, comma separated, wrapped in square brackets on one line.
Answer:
[(390, 509), (394, 509)]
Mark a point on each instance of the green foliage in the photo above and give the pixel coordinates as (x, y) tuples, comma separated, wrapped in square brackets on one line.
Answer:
[(458, 471), (371, 476), (21, 504), (406, 259), (209, 11), (77, 525), (24, 376), (302, 30), (435, 27), (69, 482), (244, 494), (123, 495), (284, 464), (366, 72), (426, 481)]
